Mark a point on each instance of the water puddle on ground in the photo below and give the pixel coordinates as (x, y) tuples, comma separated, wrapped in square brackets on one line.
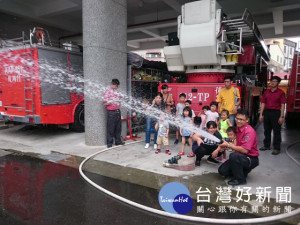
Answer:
[(34, 191)]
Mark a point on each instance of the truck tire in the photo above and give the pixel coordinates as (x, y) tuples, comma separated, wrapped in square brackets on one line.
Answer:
[(78, 125)]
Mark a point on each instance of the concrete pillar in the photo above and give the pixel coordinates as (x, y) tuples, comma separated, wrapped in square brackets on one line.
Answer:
[(104, 58)]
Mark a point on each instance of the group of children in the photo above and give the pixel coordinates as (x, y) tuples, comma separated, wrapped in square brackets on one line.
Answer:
[(186, 119)]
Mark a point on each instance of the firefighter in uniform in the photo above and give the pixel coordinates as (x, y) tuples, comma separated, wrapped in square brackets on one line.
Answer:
[(272, 113), (245, 155), (112, 100)]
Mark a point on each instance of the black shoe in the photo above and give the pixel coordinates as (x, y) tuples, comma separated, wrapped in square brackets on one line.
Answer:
[(109, 145), (176, 142), (235, 182), (174, 159), (264, 148), (121, 143), (275, 152), (197, 163), (212, 160)]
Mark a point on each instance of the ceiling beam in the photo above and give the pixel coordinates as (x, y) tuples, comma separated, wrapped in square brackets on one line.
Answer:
[(153, 33), (264, 11), (137, 28), (285, 24), (133, 44), (142, 40), (15, 9), (54, 8), (289, 31), (278, 21), (173, 4), (282, 8)]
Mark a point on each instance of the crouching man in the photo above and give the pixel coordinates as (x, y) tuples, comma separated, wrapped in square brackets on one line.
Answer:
[(245, 155)]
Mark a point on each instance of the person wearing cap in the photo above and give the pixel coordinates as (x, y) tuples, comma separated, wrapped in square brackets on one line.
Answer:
[(112, 100), (272, 114), (245, 155)]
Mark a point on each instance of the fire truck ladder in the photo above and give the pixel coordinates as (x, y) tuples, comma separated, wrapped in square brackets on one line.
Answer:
[(245, 31), (297, 80), (28, 81)]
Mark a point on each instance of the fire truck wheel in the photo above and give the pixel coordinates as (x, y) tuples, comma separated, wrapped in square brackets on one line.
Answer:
[(78, 125)]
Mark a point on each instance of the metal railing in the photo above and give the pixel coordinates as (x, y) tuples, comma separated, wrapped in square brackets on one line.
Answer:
[(38, 36)]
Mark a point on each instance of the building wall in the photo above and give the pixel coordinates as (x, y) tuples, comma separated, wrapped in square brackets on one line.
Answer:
[(287, 47), (288, 59), (276, 53), (288, 50), (277, 58), (278, 42)]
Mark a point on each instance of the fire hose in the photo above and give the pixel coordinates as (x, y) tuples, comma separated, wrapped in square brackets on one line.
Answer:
[(179, 216)]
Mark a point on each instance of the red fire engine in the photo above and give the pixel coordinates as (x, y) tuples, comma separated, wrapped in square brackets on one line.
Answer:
[(209, 47), (37, 85), (293, 99)]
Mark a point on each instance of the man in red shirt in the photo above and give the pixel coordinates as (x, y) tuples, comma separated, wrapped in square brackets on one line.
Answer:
[(245, 155), (272, 113), (111, 100)]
